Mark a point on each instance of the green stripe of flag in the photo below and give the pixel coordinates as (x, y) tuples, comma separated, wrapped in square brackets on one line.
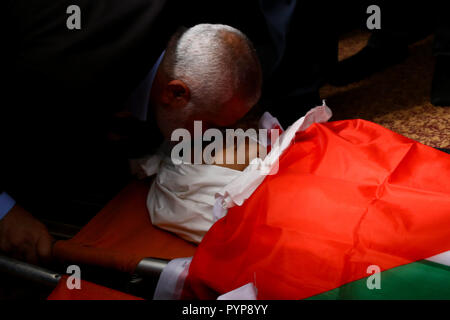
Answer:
[(418, 280)]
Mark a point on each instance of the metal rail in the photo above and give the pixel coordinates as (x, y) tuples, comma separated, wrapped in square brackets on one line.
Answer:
[(147, 267), (151, 267), (28, 271)]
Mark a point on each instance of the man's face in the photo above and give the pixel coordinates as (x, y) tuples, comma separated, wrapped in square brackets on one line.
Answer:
[(231, 112), (170, 118), (225, 116)]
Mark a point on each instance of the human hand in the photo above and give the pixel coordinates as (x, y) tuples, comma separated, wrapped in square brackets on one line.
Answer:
[(24, 237)]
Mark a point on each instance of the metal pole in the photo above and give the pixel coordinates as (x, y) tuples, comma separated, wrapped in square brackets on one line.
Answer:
[(151, 267), (28, 271)]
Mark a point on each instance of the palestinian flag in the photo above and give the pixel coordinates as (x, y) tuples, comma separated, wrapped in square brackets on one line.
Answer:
[(350, 198)]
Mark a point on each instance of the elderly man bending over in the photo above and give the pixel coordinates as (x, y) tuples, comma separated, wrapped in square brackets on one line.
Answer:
[(208, 72)]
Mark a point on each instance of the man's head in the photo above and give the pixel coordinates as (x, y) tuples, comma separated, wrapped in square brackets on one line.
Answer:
[(211, 73)]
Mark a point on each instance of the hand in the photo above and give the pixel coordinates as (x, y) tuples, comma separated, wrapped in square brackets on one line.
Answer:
[(25, 238)]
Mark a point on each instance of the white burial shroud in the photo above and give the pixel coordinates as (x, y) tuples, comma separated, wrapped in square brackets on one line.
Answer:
[(187, 199)]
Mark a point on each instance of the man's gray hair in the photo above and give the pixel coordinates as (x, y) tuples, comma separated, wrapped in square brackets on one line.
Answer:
[(217, 63)]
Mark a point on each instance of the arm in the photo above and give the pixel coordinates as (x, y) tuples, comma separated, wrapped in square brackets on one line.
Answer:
[(21, 235)]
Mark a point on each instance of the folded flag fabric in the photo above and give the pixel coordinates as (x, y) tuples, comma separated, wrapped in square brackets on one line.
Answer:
[(349, 196)]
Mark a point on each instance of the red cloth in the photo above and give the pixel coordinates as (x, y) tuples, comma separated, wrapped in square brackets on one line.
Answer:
[(348, 194), (87, 291), (122, 234)]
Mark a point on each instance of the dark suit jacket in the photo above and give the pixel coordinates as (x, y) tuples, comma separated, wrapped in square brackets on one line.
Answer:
[(62, 86)]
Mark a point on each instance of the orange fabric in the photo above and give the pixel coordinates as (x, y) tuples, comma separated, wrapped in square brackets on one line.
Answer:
[(348, 194), (87, 291), (122, 234)]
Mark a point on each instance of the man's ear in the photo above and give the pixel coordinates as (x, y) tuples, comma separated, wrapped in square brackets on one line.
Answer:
[(176, 94)]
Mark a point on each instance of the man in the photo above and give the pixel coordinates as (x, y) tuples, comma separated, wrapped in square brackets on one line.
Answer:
[(208, 73)]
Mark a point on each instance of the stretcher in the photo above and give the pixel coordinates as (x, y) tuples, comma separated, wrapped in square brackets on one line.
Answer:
[(119, 243), (121, 237)]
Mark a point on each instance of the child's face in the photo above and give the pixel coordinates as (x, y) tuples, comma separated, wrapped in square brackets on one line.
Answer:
[(250, 148)]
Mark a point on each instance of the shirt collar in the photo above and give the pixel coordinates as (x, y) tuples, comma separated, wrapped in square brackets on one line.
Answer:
[(139, 100)]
